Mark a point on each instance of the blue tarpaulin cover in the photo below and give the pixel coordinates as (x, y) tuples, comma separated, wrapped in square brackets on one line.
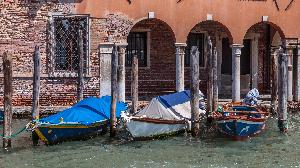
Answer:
[(180, 98), (86, 112)]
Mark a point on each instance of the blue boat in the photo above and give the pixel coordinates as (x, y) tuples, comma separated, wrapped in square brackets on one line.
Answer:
[(87, 118), (1, 117), (240, 121)]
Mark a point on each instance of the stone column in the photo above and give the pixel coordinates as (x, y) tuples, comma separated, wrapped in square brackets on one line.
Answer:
[(121, 72), (236, 69), (297, 82), (105, 54), (290, 74), (180, 51)]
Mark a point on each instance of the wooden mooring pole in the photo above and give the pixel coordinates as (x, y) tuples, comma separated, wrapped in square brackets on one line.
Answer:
[(114, 91), (80, 80), (215, 80), (134, 83), (194, 62), (209, 78), (36, 90), (274, 91), (36, 83), (282, 90), (7, 126)]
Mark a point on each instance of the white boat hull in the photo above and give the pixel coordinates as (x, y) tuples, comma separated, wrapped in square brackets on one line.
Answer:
[(145, 129)]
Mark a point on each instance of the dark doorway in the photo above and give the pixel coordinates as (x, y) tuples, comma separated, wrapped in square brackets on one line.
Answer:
[(195, 39), (245, 57), (226, 57)]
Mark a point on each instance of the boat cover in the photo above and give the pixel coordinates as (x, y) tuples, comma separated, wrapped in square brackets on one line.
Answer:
[(251, 97), (174, 106), (86, 112)]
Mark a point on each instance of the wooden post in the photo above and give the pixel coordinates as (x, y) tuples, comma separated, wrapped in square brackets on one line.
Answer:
[(215, 80), (290, 74), (297, 87), (121, 72), (236, 69), (114, 91), (80, 79), (274, 91), (7, 127), (36, 83), (180, 48), (194, 65), (134, 83), (209, 78), (36, 90), (282, 90)]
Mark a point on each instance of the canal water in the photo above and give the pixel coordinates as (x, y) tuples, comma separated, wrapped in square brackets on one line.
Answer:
[(270, 149)]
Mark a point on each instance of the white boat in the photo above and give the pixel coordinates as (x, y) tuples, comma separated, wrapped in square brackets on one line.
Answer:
[(165, 115)]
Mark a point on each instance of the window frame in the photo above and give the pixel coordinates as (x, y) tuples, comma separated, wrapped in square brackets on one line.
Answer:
[(51, 44), (148, 40)]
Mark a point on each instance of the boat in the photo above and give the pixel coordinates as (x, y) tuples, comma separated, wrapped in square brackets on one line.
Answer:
[(240, 121), (164, 116), (87, 118), (1, 117)]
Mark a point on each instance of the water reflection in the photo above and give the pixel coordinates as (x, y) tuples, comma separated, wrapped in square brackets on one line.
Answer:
[(270, 149)]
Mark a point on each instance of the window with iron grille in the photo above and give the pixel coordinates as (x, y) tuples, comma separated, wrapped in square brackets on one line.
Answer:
[(137, 45), (66, 40), (195, 39)]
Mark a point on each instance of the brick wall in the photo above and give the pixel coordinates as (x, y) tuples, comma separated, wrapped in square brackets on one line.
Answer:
[(160, 77), (24, 26)]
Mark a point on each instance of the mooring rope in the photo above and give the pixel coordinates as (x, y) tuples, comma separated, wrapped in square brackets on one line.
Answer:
[(15, 134), (29, 127)]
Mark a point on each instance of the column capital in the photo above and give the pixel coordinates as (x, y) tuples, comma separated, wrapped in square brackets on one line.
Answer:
[(237, 49), (122, 45), (237, 46), (180, 44)]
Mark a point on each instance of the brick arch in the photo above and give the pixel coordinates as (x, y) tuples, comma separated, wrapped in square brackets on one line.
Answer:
[(146, 19), (158, 77), (212, 26), (273, 25)]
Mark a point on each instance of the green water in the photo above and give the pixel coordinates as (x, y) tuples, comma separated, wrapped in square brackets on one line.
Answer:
[(270, 149)]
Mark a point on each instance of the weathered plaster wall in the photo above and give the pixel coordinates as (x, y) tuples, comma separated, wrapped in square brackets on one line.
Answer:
[(237, 15)]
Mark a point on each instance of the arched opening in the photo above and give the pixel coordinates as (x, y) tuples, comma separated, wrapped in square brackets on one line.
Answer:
[(258, 43), (221, 39), (152, 40)]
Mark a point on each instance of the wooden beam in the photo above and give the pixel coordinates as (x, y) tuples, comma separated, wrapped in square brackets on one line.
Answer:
[(215, 80), (134, 84), (194, 62), (209, 78), (114, 91), (7, 125), (36, 90), (282, 89), (80, 79)]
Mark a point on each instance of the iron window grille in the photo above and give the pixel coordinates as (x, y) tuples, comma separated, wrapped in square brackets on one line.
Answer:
[(137, 45), (65, 43)]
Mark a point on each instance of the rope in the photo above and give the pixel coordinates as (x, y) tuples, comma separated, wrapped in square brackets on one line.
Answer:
[(15, 134), (28, 127)]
